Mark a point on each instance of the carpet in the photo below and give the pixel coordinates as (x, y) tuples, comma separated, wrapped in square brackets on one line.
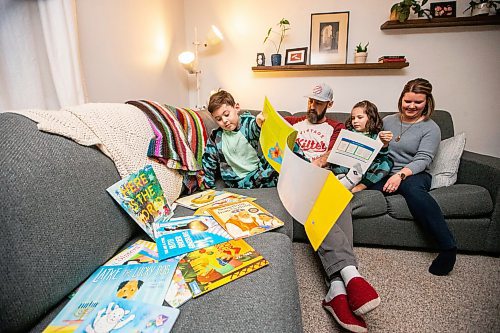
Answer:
[(413, 300)]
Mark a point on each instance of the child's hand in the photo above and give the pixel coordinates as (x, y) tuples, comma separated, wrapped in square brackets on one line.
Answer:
[(260, 119), (385, 137)]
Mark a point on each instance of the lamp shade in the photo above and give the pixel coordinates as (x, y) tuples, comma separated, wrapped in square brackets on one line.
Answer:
[(214, 36), (188, 61)]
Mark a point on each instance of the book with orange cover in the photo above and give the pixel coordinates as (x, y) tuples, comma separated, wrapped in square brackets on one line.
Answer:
[(214, 266)]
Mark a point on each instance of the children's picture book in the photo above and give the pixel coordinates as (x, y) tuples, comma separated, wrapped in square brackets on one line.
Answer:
[(178, 292), (185, 234), (351, 148), (200, 199), (141, 196), (146, 283), (244, 218), (120, 315), (141, 252), (209, 268), (233, 198)]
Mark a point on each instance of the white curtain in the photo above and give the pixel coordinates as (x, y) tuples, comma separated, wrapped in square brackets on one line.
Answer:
[(39, 59)]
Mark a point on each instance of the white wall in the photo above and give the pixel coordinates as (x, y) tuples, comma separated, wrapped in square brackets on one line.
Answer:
[(461, 62), (129, 50)]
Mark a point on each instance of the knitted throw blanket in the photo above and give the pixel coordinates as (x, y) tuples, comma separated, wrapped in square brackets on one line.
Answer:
[(120, 131), (179, 142)]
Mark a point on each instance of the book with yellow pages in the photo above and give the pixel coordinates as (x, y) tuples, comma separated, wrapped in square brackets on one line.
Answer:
[(200, 199), (203, 211), (244, 218), (211, 267)]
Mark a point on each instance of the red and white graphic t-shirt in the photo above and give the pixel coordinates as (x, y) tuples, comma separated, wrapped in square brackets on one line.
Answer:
[(315, 139)]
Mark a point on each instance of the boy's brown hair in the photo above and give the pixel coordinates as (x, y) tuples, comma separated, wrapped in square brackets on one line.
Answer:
[(374, 124), (218, 99)]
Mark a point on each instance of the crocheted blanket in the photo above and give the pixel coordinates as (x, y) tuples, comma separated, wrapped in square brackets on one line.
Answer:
[(179, 142), (121, 131)]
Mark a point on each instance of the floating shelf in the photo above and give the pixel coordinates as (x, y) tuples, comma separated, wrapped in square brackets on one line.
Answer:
[(331, 67), (442, 22)]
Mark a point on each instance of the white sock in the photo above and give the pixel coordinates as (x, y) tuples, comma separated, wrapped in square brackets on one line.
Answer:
[(348, 273), (337, 287), (353, 177)]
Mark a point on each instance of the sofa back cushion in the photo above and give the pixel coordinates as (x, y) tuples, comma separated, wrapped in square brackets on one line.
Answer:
[(58, 222)]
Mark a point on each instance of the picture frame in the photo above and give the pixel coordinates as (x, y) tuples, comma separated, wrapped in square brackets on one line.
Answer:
[(443, 9), (261, 59), (328, 38), (296, 56)]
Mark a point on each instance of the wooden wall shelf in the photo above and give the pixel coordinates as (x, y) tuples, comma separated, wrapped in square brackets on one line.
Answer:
[(331, 67), (442, 22)]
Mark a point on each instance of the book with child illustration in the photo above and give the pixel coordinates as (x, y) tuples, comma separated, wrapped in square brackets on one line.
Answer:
[(146, 283), (200, 199), (121, 315), (141, 196), (351, 148), (185, 234), (211, 267), (244, 218)]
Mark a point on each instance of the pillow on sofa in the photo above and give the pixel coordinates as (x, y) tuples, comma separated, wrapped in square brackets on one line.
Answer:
[(444, 167)]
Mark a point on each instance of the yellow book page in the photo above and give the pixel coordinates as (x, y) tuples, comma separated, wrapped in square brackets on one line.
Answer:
[(331, 202), (275, 134)]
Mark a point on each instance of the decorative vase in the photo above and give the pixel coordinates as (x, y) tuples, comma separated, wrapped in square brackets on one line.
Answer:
[(360, 57), (480, 9), (276, 59)]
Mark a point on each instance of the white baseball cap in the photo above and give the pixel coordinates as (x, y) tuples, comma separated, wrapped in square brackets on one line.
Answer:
[(321, 92)]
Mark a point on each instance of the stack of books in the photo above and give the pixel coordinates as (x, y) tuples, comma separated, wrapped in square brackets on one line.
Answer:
[(398, 58)]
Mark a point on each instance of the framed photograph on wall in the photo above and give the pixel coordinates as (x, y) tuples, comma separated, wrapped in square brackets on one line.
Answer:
[(328, 43), (444, 9), (296, 56)]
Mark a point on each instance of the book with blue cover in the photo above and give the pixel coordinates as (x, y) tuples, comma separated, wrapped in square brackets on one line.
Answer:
[(146, 283), (141, 196), (120, 315), (185, 234)]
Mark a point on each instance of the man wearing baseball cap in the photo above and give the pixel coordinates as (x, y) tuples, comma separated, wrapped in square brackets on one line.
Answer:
[(317, 133)]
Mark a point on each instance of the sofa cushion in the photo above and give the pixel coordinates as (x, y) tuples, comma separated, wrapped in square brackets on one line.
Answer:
[(456, 201), (368, 203), (444, 167)]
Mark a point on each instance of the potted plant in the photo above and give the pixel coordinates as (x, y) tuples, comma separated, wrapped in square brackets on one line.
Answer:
[(360, 54), (481, 7), (401, 11), (284, 26)]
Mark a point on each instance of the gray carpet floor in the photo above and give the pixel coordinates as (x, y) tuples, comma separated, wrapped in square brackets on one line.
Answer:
[(413, 300)]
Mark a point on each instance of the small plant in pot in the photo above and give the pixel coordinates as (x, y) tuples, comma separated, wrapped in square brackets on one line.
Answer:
[(401, 11), (283, 27), (482, 7), (360, 54)]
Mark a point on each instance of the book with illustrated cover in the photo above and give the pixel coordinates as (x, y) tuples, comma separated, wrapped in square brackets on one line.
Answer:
[(209, 268), (185, 234), (120, 315), (232, 198), (178, 292), (141, 196), (200, 199), (244, 218), (146, 283), (141, 252)]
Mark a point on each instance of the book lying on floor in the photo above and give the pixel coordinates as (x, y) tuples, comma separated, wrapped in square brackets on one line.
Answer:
[(121, 315), (141, 196), (146, 283), (244, 218), (185, 234), (200, 199), (209, 268)]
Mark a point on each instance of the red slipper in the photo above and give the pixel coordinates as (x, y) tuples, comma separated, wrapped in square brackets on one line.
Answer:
[(362, 296), (339, 308)]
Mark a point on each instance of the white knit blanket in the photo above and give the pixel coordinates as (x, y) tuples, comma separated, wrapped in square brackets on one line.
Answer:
[(121, 131)]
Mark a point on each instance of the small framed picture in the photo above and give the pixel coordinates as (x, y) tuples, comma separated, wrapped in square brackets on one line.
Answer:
[(261, 59), (444, 9), (328, 43), (296, 56)]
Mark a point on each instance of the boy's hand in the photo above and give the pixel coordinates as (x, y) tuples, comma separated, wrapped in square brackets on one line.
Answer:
[(385, 137), (260, 119)]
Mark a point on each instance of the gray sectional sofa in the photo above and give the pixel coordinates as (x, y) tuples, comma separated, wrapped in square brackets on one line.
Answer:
[(59, 225)]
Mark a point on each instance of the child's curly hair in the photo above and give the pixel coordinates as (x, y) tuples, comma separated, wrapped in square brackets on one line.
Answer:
[(374, 124)]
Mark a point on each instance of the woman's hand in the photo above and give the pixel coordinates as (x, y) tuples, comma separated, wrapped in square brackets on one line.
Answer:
[(392, 184), (385, 137)]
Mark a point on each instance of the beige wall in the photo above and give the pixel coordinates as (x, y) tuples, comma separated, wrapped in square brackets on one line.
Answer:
[(129, 50), (122, 60)]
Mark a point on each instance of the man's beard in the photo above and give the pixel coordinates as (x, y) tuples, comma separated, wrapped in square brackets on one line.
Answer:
[(314, 117)]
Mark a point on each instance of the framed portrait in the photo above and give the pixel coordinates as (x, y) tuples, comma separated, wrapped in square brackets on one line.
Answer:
[(328, 43), (444, 9), (296, 56)]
